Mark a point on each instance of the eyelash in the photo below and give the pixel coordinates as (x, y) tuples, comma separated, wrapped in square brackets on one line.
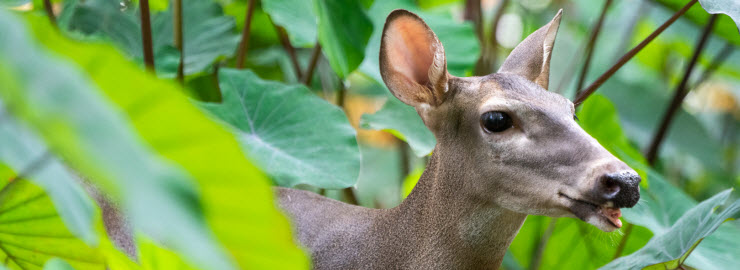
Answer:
[(575, 117)]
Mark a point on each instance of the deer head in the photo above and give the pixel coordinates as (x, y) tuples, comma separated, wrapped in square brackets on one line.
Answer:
[(512, 143)]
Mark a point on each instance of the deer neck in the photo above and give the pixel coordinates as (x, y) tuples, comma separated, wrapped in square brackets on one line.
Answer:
[(450, 224)]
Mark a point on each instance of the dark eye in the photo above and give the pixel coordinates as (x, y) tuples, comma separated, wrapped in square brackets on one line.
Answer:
[(495, 121)]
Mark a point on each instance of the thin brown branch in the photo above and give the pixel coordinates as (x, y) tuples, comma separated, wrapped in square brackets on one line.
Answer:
[(622, 243), (717, 61), (474, 14), (349, 195), (312, 64), (625, 58), (285, 41), (590, 45), (487, 59), (146, 35), (241, 53), (679, 94), (50, 12), (177, 22)]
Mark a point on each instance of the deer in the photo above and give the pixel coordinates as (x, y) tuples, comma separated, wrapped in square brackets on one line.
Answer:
[(506, 148)]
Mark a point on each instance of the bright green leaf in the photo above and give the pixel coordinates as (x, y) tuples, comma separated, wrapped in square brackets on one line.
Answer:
[(23, 150), (57, 264), (403, 119), (235, 197), (292, 134), (344, 30), (724, 27), (31, 232), (729, 7), (59, 103)]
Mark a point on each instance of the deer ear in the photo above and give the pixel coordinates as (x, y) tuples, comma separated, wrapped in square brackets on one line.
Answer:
[(531, 58), (412, 60)]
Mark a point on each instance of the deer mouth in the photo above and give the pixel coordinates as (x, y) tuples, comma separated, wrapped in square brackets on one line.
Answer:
[(597, 215)]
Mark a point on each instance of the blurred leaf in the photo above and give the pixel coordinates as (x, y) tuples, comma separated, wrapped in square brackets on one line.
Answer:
[(697, 223), (154, 257), (660, 209), (410, 181), (57, 264), (59, 103), (724, 26), (344, 30), (460, 44), (13, 3), (32, 232), (295, 136), (22, 150), (405, 124), (297, 17), (207, 34), (599, 118), (252, 230)]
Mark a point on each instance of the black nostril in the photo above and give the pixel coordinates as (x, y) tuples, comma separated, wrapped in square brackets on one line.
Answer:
[(621, 188)]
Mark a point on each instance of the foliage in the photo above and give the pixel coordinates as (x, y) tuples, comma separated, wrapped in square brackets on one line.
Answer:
[(193, 176)]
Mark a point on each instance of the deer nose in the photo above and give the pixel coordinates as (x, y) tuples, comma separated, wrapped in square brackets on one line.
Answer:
[(621, 188)]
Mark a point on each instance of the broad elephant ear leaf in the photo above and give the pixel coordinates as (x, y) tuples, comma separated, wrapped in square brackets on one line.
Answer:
[(729, 7), (295, 136), (682, 237), (402, 121), (31, 231)]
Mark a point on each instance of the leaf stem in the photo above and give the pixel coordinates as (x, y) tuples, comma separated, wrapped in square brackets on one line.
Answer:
[(146, 35), (623, 242), (177, 22), (679, 94), (244, 44), (626, 57), (590, 45), (540, 249), (474, 14), (285, 41), (50, 12), (494, 30), (312, 64)]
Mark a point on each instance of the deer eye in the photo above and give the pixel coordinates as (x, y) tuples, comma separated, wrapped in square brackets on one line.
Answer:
[(495, 121)]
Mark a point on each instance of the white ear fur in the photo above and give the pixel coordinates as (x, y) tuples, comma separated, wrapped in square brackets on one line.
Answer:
[(531, 58)]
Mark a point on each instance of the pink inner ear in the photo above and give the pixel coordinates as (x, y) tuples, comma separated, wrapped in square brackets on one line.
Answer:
[(410, 49)]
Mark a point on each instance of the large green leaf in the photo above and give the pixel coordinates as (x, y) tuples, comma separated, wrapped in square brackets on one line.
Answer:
[(297, 17), (22, 150), (292, 134), (403, 121), (235, 197), (75, 121), (696, 224), (207, 34), (57, 264), (660, 209), (31, 231), (461, 45), (344, 30)]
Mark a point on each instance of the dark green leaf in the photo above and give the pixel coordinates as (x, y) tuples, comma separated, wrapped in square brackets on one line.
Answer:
[(288, 131), (297, 17), (344, 30)]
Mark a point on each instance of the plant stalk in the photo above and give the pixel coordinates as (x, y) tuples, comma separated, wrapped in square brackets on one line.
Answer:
[(50, 12), (146, 35), (177, 22), (312, 64), (590, 45), (285, 41), (585, 93), (679, 95), (474, 14), (623, 242), (540, 249), (494, 29), (241, 53)]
